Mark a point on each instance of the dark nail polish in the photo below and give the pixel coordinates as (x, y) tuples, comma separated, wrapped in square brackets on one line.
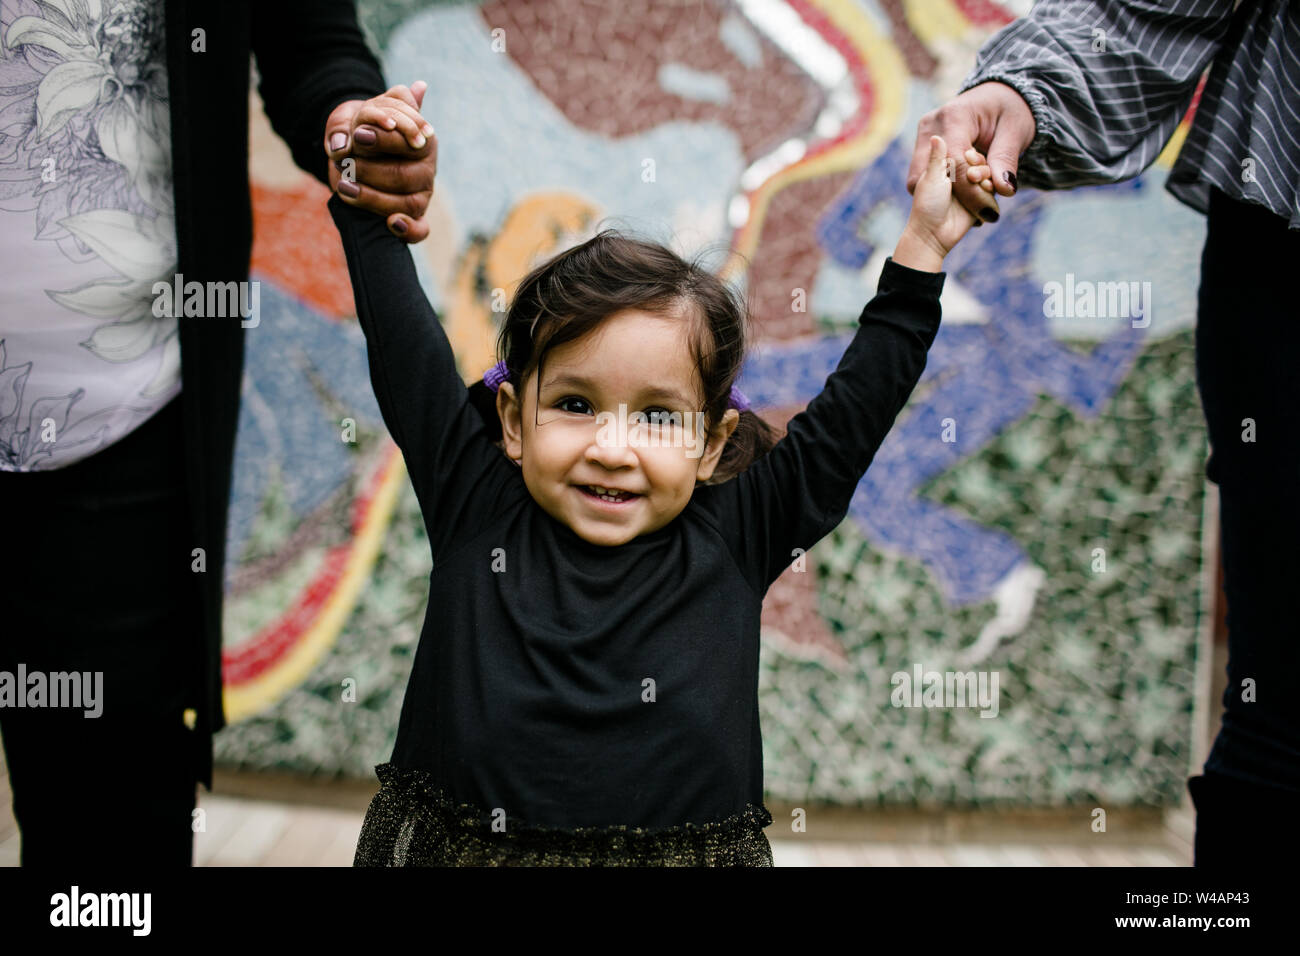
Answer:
[(1010, 177), (988, 215)]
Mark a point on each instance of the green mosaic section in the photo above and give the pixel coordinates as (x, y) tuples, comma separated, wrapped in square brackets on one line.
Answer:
[(1096, 692), (379, 19), (314, 729)]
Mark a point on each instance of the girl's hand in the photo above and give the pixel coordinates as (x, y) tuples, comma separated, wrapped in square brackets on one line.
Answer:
[(979, 171), (384, 156), (937, 220)]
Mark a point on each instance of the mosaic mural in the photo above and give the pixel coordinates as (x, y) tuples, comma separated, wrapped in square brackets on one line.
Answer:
[(1054, 540)]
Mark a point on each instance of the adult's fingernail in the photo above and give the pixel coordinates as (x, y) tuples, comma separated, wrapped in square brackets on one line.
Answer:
[(1010, 177), (348, 188), (399, 226), (989, 215), (338, 141), (366, 136)]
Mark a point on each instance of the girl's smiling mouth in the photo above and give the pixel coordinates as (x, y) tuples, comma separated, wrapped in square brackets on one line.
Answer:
[(606, 495)]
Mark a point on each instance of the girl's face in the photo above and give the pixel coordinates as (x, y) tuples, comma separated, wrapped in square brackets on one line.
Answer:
[(573, 434)]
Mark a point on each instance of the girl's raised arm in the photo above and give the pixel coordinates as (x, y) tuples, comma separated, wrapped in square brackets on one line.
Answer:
[(800, 491), (456, 469), (797, 493)]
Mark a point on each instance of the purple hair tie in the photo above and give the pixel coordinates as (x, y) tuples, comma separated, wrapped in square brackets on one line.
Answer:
[(497, 374)]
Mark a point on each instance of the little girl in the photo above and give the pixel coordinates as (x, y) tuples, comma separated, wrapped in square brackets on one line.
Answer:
[(585, 689)]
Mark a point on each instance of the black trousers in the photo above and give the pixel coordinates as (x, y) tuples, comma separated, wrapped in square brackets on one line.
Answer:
[(1248, 372), (96, 577)]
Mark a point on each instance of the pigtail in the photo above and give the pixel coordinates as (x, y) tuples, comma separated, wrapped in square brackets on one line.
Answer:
[(752, 439), (484, 401)]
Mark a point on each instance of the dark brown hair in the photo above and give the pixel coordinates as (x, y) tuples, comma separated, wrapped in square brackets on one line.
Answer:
[(571, 294)]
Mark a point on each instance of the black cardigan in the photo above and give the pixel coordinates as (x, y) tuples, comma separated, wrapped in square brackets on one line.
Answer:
[(310, 56)]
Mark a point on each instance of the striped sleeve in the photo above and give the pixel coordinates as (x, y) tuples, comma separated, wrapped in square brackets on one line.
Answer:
[(1108, 82)]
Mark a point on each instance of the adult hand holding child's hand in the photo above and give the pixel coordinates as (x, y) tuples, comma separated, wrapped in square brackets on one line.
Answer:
[(992, 117), (383, 158), (938, 220)]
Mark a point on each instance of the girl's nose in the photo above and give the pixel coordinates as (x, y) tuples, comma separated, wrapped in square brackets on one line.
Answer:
[(611, 451)]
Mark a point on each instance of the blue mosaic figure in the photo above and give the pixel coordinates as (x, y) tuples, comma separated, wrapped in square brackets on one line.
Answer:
[(980, 379)]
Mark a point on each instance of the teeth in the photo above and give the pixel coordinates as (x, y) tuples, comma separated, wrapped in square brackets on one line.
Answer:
[(606, 494)]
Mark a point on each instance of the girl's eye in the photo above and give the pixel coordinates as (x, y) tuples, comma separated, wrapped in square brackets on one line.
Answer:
[(572, 400), (655, 415), (661, 416)]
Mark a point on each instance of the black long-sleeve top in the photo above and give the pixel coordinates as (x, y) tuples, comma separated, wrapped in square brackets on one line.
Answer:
[(527, 691)]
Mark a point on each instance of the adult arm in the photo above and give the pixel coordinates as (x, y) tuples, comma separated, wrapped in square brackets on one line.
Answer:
[(1101, 87), (311, 57)]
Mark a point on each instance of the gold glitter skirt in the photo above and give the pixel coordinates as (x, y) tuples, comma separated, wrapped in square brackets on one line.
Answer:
[(413, 822)]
